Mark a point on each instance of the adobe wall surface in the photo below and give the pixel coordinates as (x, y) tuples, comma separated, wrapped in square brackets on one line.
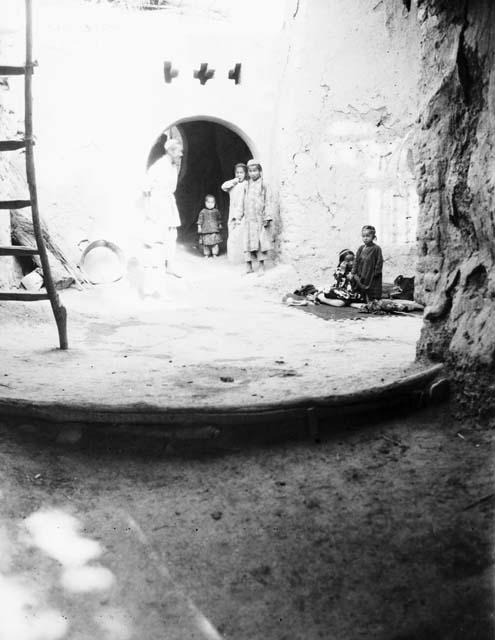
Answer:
[(347, 114), (327, 104), (101, 101)]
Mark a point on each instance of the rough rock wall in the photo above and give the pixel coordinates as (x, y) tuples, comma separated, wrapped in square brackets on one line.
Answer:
[(456, 176), (348, 106)]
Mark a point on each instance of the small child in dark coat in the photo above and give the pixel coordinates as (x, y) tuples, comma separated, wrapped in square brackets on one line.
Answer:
[(209, 228), (367, 269)]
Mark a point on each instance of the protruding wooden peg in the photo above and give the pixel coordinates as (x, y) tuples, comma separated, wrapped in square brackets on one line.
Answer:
[(203, 74), (235, 73), (169, 72)]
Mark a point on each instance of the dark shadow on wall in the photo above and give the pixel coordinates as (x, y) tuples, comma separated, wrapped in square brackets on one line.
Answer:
[(157, 150), (210, 152)]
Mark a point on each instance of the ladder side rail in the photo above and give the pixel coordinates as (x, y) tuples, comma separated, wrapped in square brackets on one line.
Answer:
[(59, 311)]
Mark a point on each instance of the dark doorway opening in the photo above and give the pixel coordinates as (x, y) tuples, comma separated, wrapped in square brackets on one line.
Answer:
[(211, 150)]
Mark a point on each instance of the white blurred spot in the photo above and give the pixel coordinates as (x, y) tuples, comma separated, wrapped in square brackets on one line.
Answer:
[(86, 579), (48, 625), (56, 533), (22, 617)]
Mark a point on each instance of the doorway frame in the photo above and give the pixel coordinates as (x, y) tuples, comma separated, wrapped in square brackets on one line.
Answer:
[(226, 123)]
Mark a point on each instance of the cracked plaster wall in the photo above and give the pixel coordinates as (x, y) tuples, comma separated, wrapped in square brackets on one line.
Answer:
[(329, 104), (347, 112)]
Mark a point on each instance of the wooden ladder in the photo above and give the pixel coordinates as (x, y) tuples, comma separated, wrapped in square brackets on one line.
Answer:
[(27, 143)]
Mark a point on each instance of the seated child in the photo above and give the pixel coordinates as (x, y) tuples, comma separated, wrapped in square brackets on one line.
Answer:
[(209, 227), (366, 273), (343, 292)]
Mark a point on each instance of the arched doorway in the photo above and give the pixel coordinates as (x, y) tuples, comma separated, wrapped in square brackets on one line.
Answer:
[(211, 149)]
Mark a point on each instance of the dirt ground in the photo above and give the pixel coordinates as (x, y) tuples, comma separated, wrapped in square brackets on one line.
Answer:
[(384, 530), (215, 338)]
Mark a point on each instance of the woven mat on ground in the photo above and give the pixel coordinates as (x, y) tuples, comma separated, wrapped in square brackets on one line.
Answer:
[(328, 312), (335, 313)]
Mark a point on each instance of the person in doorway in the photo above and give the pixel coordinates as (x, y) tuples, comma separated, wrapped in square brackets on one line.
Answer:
[(366, 273), (257, 213), (343, 292), (209, 228), (161, 215), (236, 188)]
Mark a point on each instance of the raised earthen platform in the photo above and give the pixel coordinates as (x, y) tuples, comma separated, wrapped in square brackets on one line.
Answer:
[(219, 348)]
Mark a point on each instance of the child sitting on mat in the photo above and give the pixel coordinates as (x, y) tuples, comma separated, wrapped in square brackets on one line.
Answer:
[(343, 292), (209, 227)]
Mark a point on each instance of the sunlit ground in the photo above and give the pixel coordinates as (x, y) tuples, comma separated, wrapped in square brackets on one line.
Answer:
[(214, 338)]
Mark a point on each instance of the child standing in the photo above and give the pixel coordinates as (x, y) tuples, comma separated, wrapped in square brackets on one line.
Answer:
[(236, 189), (209, 227), (257, 213), (366, 272)]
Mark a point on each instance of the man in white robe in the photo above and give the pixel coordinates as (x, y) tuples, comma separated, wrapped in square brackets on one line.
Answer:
[(161, 217)]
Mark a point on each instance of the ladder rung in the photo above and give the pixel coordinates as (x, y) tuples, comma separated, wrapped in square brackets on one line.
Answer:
[(12, 145), (23, 296), (14, 204), (18, 251), (12, 71)]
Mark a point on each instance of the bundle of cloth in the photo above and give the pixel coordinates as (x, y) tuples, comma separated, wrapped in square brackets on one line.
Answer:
[(403, 288), (390, 307)]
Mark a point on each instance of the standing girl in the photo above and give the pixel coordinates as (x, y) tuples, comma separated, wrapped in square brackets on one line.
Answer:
[(257, 212), (366, 272), (236, 188), (209, 227)]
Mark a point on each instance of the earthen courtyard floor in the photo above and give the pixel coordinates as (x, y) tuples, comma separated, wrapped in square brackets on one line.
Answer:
[(216, 339), (382, 530)]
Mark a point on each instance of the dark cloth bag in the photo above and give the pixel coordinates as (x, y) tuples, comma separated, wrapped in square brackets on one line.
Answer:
[(403, 288)]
